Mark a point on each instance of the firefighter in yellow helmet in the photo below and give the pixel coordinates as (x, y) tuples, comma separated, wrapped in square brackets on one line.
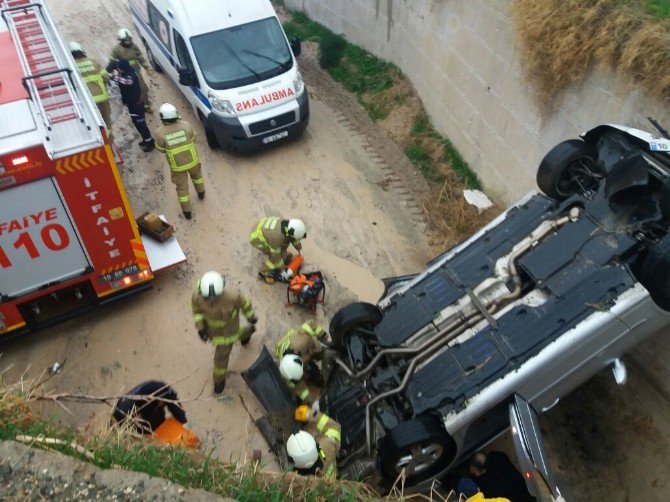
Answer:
[(126, 49), (314, 450), (216, 311), (176, 138), (272, 235), (96, 79)]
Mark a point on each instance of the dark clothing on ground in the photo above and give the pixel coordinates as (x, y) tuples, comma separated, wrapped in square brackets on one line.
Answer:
[(149, 410), (502, 479), (131, 95)]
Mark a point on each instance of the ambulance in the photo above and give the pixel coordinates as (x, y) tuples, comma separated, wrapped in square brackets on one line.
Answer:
[(68, 238), (233, 63)]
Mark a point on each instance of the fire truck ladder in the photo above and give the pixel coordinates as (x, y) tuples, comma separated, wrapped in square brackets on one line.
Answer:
[(48, 79)]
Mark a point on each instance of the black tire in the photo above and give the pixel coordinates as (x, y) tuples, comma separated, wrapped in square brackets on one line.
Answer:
[(664, 200), (569, 168), (209, 133), (152, 60), (420, 446), (655, 273), (355, 315)]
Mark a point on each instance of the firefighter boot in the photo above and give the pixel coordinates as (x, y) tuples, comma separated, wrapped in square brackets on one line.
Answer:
[(201, 195), (188, 215), (266, 277), (219, 386)]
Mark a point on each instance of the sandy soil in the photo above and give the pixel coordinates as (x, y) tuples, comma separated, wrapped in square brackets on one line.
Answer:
[(358, 194), (359, 228)]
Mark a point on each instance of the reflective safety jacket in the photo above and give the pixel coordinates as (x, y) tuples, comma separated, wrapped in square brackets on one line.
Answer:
[(132, 53), (95, 77), (301, 391), (268, 236), (327, 433), (303, 341), (219, 316), (177, 140)]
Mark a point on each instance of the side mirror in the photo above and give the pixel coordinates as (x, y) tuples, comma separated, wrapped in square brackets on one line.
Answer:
[(187, 76), (296, 46)]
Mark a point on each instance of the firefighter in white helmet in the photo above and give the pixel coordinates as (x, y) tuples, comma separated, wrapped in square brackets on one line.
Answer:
[(216, 312), (291, 370), (96, 79), (126, 49), (314, 451), (272, 235), (176, 138)]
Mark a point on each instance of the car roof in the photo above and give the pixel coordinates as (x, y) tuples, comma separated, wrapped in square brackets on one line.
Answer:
[(196, 16)]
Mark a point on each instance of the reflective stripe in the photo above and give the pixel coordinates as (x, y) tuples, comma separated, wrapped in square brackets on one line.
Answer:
[(274, 265), (304, 394), (333, 434), (198, 181), (220, 371), (322, 454), (307, 328), (322, 422), (183, 198), (218, 323), (330, 473), (225, 340), (199, 317), (171, 152), (291, 385), (284, 343), (258, 240)]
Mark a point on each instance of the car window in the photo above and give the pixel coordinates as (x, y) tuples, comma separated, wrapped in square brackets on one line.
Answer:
[(159, 25), (182, 51)]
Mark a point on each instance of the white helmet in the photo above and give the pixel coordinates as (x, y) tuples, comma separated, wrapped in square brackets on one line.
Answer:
[(296, 229), (168, 111), (124, 34), (211, 284), (75, 47), (302, 450), (290, 367)]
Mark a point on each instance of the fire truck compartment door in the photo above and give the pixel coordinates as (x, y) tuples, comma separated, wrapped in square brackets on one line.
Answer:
[(163, 255), (38, 242)]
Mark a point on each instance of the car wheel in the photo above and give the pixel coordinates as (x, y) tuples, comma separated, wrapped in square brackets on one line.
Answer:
[(655, 273), (418, 449), (152, 60), (209, 133), (569, 168), (664, 200), (356, 315)]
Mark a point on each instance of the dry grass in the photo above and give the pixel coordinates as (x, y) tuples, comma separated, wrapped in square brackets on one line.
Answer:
[(562, 39)]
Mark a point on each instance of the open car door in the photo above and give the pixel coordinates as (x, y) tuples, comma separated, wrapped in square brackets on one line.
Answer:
[(530, 450)]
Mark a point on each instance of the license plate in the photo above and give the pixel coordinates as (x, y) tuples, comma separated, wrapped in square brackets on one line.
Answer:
[(275, 137)]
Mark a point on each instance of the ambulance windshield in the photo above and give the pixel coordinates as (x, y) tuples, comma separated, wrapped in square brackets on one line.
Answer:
[(242, 55)]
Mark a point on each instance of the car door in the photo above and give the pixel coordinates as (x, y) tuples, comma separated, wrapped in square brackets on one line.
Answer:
[(184, 60), (531, 453)]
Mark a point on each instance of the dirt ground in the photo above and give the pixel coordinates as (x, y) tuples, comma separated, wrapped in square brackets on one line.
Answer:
[(361, 200)]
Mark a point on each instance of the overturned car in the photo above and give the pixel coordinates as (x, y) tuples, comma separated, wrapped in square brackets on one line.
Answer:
[(556, 288)]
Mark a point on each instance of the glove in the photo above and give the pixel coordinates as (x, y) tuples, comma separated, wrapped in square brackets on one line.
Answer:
[(251, 329), (286, 274), (204, 336), (253, 319), (314, 410)]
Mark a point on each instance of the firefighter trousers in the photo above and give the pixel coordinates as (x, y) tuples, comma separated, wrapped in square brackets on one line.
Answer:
[(222, 358), (274, 261), (105, 109), (144, 89), (180, 180), (136, 111)]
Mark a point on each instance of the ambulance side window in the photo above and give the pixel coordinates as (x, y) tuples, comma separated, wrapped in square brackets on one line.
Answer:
[(182, 51), (159, 25)]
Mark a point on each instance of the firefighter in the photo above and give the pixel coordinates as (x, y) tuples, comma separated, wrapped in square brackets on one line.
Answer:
[(96, 79), (292, 370), (126, 49), (124, 75), (314, 450), (305, 342), (177, 139), (216, 311), (147, 413), (272, 236)]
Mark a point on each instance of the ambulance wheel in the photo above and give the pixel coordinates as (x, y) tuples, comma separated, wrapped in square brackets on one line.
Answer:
[(361, 316), (152, 60), (209, 133)]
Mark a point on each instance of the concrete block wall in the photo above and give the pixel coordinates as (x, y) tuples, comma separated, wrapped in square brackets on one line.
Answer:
[(462, 57)]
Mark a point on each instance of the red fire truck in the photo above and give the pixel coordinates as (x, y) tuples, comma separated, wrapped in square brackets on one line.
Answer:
[(68, 238)]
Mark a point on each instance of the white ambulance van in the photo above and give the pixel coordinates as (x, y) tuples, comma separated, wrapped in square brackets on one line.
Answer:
[(233, 62)]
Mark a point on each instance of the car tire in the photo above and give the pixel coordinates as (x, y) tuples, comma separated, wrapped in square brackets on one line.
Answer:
[(655, 273), (152, 60), (356, 315), (421, 447), (569, 168), (210, 136), (664, 200)]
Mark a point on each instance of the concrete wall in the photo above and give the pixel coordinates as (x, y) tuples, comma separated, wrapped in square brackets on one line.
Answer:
[(463, 59)]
